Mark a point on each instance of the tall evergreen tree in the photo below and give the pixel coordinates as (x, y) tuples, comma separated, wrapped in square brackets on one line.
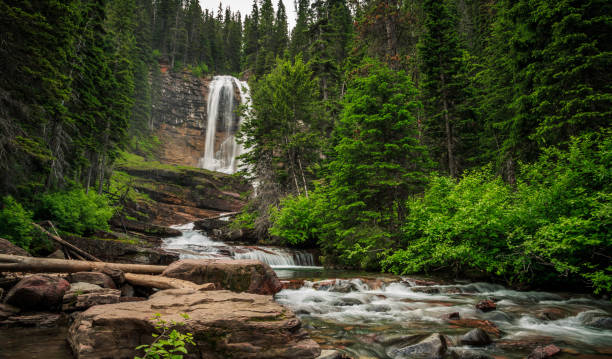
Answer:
[(443, 89), (281, 32)]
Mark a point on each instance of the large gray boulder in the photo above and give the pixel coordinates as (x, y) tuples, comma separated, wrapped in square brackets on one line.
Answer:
[(224, 324), (432, 347)]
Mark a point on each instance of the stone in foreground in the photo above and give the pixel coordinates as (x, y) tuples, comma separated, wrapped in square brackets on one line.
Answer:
[(244, 275), (224, 325), (38, 292)]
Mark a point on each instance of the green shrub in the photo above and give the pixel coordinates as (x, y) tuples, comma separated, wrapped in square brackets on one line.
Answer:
[(169, 343), (15, 223), (77, 211), (298, 220), (553, 227)]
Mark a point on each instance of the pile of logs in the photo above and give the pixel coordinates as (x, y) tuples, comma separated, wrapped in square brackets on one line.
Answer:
[(143, 275)]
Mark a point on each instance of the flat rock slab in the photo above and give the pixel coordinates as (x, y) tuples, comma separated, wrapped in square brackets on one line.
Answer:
[(224, 325), (244, 275)]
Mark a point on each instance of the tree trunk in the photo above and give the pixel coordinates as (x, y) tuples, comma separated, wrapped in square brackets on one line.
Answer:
[(447, 126), (12, 263)]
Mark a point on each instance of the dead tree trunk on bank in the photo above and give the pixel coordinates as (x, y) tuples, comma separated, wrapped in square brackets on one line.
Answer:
[(12, 263)]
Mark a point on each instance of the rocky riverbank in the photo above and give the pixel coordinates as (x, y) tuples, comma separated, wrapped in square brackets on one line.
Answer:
[(109, 316)]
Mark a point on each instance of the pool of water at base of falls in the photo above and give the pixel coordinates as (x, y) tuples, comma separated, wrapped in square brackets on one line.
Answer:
[(370, 315)]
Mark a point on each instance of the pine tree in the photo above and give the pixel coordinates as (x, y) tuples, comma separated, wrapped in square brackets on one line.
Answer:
[(443, 90), (299, 35), (377, 164), (265, 54), (281, 33), (251, 38)]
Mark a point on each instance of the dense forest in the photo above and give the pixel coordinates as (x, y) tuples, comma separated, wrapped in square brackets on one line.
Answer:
[(465, 136)]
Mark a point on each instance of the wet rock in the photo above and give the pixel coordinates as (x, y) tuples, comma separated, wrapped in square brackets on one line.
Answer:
[(452, 316), (347, 302), (476, 337), (427, 290), (486, 305), (485, 325), (600, 322), (432, 347), (224, 324), (120, 252), (237, 275), (97, 278), (336, 285), (145, 228), (37, 320), (550, 314), (6, 247), (544, 352), (209, 224), (292, 283), (38, 292), (457, 353), (84, 295)]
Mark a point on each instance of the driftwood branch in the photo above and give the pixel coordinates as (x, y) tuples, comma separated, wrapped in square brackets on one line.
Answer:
[(66, 244), (12, 263)]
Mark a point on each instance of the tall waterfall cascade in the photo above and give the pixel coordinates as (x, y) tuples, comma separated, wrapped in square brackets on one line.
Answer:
[(223, 122)]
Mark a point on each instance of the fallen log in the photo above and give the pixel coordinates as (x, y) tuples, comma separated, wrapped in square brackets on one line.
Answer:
[(12, 263), (159, 282), (66, 244)]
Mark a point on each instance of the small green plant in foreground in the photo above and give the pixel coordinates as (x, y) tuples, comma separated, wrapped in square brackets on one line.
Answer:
[(169, 343)]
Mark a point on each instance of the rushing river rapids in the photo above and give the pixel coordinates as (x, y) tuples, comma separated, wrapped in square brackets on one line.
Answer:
[(370, 317)]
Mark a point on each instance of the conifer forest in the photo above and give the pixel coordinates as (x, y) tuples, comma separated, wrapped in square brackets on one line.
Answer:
[(454, 138)]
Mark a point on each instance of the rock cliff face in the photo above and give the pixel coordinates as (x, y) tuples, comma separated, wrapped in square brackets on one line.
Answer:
[(180, 118)]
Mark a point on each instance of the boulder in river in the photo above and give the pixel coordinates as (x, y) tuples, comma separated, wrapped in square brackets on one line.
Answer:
[(244, 275), (486, 305), (224, 324), (542, 352), (432, 347), (38, 292), (208, 224), (97, 278), (476, 337)]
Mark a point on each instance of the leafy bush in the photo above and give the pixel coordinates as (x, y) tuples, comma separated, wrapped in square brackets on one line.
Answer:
[(77, 211), (554, 226), (15, 223), (168, 344), (299, 220)]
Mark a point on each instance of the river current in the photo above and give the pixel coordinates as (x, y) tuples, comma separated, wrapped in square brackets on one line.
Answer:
[(369, 315)]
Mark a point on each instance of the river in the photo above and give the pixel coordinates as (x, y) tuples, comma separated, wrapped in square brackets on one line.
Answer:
[(369, 315)]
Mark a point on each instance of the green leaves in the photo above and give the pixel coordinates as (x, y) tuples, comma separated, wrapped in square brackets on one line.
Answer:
[(170, 343)]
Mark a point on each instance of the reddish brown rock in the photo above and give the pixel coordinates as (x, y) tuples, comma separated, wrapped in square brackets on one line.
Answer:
[(544, 352), (224, 325), (292, 283), (486, 305), (38, 292), (97, 278), (236, 275)]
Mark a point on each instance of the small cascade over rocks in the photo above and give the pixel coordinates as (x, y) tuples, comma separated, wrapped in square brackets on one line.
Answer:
[(223, 122), (194, 244)]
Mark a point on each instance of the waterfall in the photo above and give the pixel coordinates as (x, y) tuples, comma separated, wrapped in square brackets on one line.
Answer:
[(221, 149)]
